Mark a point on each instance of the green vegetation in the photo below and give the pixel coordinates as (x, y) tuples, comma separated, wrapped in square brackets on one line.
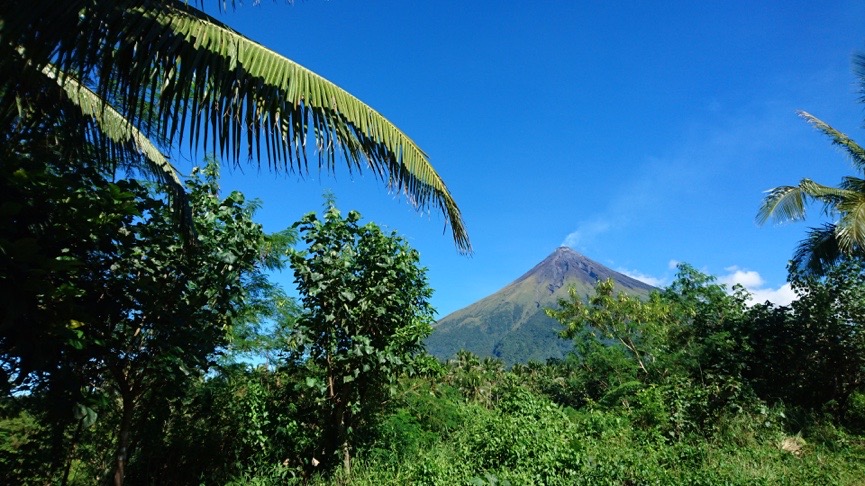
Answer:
[(131, 352), (689, 386), (107, 312), (366, 317)]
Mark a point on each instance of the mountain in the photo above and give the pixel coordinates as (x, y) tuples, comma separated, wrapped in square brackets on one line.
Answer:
[(511, 325)]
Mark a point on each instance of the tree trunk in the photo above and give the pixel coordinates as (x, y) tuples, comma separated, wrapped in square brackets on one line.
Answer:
[(339, 413), (341, 442), (123, 440), (68, 467), (346, 452)]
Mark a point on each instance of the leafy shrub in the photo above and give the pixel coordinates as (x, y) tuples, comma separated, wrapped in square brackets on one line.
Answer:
[(23, 448), (399, 435), (855, 416)]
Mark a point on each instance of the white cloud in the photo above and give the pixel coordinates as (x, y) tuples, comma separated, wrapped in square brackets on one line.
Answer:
[(755, 285), (647, 279), (783, 295), (746, 278), (750, 279)]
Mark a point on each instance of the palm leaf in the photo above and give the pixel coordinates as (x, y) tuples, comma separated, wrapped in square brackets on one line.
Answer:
[(859, 70), (226, 91), (851, 227), (846, 237), (787, 203), (118, 129), (818, 251), (265, 87), (853, 149), (784, 203)]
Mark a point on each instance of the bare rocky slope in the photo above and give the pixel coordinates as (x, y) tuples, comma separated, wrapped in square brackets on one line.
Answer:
[(511, 325)]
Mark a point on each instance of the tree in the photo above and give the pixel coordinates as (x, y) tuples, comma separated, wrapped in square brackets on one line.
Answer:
[(166, 308), (366, 314), (132, 76), (675, 359), (637, 326), (812, 353), (707, 340), (844, 237), (123, 310)]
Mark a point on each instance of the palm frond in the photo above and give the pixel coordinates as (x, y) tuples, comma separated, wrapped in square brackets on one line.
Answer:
[(784, 203), (818, 251), (815, 190), (852, 186), (853, 149), (859, 71), (787, 203), (118, 129), (222, 89), (844, 238), (832, 198), (851, 227), (251, 92)]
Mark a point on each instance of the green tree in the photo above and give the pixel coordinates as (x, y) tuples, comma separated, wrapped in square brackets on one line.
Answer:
[(235, 422), (130, 312), (812, 353), (674, 360), (167, 308), (134, 76), (845, 236), (55, 227), (636, 325), (707, 341), (366, 314)]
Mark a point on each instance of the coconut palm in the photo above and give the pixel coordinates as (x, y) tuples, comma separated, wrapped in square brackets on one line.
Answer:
[(845, 237), (142, 74)]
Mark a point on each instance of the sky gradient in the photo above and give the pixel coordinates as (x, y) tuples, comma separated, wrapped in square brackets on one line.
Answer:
[(639, 133)]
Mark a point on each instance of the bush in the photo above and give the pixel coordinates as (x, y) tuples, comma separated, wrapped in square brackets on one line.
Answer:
[(854, 418)]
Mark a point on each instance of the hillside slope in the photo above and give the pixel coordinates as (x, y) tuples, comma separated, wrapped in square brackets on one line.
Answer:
[(511, 325)]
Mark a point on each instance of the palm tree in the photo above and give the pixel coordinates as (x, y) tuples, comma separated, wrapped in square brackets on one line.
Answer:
[(136, 75), (830, 242)]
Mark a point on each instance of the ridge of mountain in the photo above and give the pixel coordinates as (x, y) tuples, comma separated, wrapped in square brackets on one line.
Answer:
[(511, 325)]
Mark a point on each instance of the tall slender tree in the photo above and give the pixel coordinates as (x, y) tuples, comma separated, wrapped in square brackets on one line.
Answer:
[(366, 315), (131, 73), (845, 236)]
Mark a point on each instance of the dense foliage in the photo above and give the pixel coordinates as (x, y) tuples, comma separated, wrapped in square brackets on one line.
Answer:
[(691, 386), (366, 316), (120, 343), (133, 352), (129, 353), (109, 312)]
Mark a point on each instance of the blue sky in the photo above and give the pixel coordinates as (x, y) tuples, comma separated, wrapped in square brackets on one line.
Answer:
[(639, 133)]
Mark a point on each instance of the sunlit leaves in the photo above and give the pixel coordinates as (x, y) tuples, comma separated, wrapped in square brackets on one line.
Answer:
[(366, 313), (635, 324)]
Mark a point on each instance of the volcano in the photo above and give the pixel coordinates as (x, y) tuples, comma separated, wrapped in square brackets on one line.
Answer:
[(511, 324)]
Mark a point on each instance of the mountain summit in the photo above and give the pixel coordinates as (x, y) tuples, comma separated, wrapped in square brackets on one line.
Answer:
[(511, 325)]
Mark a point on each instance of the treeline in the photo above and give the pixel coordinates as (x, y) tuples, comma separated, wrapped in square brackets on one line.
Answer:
[(134, 352)]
